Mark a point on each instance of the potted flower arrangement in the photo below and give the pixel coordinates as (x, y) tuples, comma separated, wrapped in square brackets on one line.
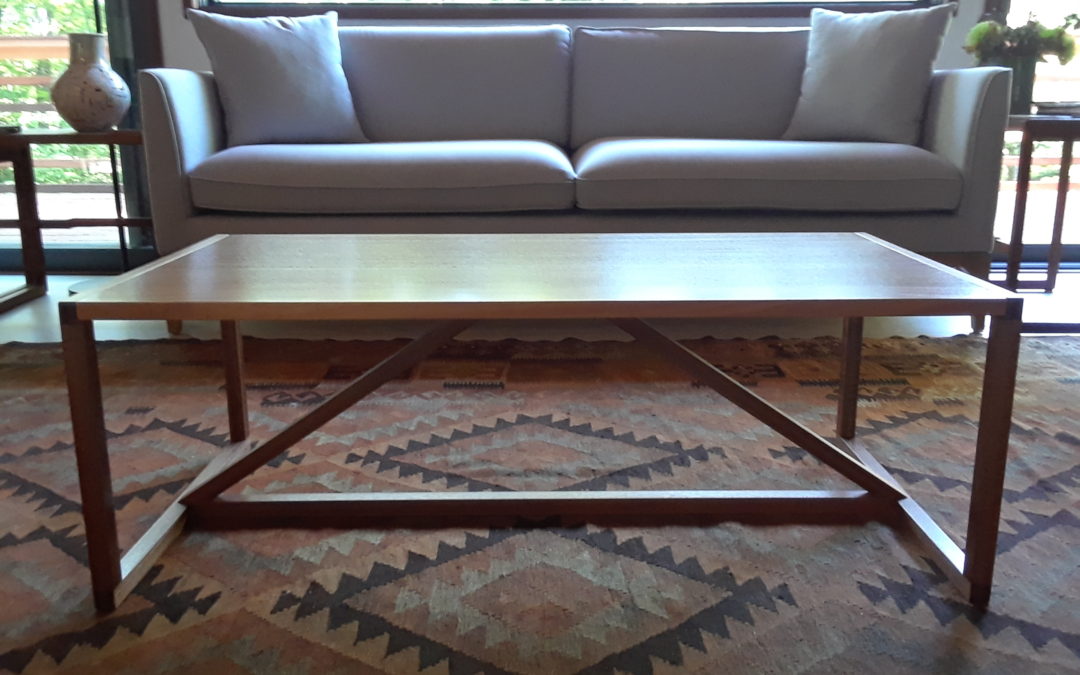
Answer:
[(1020, 48)]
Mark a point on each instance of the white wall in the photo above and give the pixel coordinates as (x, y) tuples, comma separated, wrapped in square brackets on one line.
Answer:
[(179, 46), (952, 53), (182, 49)]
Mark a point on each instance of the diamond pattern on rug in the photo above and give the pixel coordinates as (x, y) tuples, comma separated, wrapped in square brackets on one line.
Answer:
[(547, 600), (533, 453)]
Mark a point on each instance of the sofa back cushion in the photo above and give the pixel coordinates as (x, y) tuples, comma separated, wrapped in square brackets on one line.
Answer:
[(279, 78), (868, 75), (454, 83), (688, 83)]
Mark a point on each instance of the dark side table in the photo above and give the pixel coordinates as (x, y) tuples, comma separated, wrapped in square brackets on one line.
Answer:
[(1040, 128), (15, 148)]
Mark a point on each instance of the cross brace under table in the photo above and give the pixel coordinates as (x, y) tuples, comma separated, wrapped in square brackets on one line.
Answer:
[(880, 497)]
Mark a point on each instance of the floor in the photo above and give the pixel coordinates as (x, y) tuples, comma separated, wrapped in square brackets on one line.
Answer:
[(37, 322)]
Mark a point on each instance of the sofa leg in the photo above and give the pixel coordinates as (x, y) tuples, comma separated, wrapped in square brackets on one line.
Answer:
[(975, 264), (175, 326)]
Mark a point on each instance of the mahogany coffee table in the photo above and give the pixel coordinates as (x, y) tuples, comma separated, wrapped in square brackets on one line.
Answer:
[(453, 280)]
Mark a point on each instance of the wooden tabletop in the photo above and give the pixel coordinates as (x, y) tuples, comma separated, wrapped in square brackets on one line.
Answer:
[(1047, 127), (503, 276), (52, 137)]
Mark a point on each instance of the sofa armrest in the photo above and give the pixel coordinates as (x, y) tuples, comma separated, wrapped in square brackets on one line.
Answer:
[(966, 115), (182, 126)]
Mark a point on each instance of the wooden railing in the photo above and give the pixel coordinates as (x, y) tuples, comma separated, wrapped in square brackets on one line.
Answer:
[(33, 48)]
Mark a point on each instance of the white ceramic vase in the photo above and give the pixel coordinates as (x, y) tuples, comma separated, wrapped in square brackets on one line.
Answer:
[(90, 96)]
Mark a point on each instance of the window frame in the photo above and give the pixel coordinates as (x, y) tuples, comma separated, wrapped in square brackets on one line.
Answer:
[(582, 9)]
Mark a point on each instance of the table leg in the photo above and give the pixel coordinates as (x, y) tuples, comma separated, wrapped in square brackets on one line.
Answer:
[(851, 355), (91, 455), (19, 296), (991, 451), (1054, 259), (1016, 240), (33, 251), (233, 343), (125, 261)]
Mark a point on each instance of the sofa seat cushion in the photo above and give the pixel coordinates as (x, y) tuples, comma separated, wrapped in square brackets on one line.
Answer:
[(662, 173), (421, 177)]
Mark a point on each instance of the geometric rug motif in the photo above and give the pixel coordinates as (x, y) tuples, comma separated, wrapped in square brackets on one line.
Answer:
[(552, 596)]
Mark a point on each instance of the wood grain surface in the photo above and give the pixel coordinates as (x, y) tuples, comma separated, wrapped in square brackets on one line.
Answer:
[(537, 276)]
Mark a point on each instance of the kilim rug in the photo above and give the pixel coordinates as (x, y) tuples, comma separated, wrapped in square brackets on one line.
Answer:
[(548, 597)]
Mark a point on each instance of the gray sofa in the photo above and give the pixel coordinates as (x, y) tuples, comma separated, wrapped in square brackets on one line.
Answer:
[(548, 129)]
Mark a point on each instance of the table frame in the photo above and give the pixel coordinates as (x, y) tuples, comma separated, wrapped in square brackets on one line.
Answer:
[(33, 251), (880, 497), (1040, 128), (15, 148)]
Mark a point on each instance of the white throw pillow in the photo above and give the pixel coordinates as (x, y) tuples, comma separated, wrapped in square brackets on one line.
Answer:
[(867, 75), (280, 79)]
